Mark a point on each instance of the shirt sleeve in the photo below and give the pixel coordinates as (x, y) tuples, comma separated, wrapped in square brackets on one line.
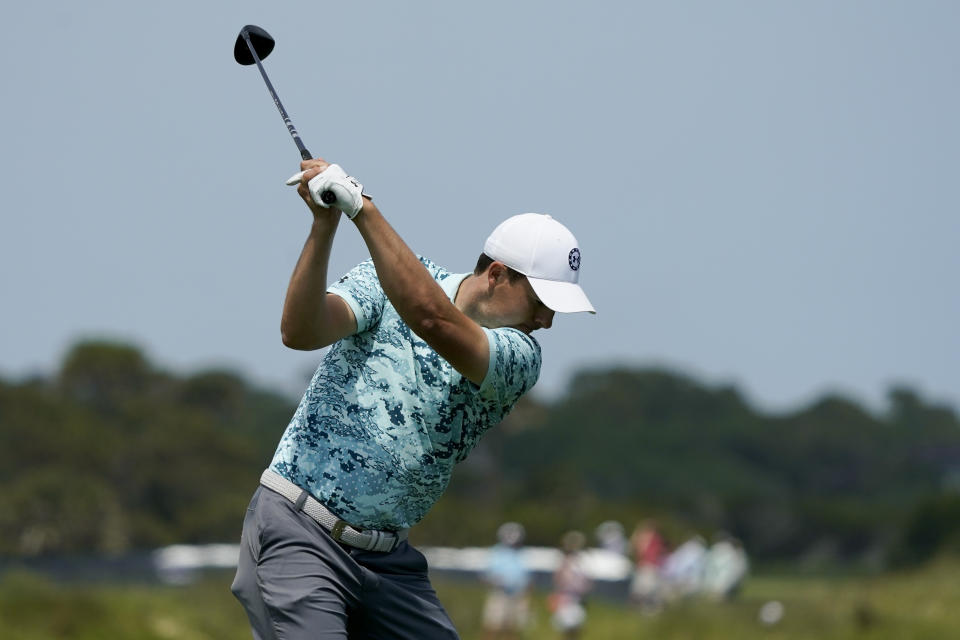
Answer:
[(514, 365), (360, 288)]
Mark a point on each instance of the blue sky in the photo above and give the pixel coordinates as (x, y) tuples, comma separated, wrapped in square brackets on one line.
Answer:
[(765, 193)]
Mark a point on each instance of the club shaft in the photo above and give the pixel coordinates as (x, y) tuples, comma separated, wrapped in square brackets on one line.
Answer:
[(276, 100)]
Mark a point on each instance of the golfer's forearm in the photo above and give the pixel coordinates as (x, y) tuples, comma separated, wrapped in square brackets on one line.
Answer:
[(411, 289), (307, 322), (421, 302)]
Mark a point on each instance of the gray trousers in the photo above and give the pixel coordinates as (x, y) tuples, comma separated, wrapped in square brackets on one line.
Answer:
[(297, 582)]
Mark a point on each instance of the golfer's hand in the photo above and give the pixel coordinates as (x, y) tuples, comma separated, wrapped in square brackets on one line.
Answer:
[(310, 169)]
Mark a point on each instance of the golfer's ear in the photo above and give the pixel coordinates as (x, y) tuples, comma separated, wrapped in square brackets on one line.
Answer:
[(496, 272)]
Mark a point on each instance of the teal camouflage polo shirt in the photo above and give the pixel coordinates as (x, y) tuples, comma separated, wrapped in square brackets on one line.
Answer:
[(385, 418)]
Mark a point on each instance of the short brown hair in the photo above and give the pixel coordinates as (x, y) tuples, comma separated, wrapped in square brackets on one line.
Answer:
[(485, 261)]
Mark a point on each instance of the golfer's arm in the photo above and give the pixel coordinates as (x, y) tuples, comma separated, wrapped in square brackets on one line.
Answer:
[(420, 301), (313, 318)]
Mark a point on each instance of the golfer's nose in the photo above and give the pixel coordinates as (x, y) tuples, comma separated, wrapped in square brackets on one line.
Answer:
[(544, 317)]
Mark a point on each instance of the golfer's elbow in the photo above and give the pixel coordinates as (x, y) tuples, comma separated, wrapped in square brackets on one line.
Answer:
[(291, 342), (298, 339), (428, 322), (307, 332), (425, 327)]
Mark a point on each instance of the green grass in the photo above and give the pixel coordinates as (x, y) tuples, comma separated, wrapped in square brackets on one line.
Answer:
[(913, 605), (909, 606), (32, 608)]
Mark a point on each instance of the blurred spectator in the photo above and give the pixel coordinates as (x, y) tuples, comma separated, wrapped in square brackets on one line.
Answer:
[(570, 586), (506, 610), (611, 537), (649, 552), (683, 569), (725, 567)]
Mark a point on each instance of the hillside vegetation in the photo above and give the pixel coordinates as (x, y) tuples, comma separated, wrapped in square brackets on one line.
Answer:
[(110, 454)]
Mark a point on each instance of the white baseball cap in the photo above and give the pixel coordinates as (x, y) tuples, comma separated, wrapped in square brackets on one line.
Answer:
[(545, 251)]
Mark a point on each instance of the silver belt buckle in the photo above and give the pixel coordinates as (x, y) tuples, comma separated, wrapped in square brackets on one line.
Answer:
[(336, 531)]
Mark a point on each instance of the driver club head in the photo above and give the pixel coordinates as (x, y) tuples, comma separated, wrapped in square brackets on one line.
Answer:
[(259, 38)]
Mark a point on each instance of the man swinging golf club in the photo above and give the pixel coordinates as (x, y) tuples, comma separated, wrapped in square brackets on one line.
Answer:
[(423, 361)]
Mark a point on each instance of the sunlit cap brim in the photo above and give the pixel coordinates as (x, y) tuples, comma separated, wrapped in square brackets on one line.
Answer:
[(562, 297)]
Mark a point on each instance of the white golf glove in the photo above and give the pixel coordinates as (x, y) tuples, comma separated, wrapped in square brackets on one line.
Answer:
[(347, 191)]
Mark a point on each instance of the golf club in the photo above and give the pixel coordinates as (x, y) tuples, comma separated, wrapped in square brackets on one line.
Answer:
[(252, 45)]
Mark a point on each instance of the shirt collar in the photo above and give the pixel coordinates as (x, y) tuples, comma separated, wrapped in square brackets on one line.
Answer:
[(452, 283)]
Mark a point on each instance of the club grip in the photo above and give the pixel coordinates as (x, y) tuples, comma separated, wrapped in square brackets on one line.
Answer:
[(328, 197)]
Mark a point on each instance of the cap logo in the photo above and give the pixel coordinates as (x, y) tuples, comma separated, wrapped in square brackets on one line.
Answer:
[(574, 259)]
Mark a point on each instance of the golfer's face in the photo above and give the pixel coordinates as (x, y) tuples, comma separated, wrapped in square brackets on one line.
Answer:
[(520, 308)]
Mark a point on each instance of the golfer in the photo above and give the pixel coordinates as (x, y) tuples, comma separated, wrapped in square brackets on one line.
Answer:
[(423, 361)]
